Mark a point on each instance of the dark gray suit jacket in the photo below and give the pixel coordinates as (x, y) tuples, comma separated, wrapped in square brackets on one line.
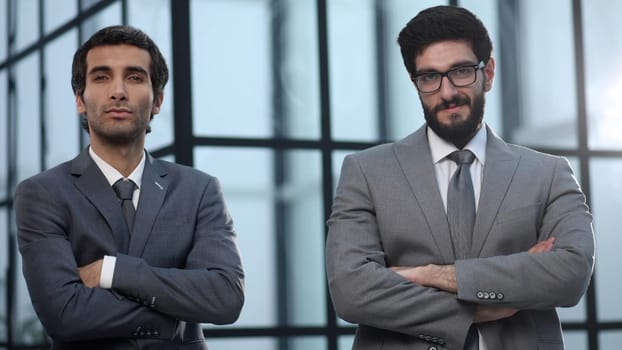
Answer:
[(388, 212), (181, 266)]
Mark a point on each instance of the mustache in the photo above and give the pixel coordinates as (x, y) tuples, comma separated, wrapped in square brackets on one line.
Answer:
[(456, 101)]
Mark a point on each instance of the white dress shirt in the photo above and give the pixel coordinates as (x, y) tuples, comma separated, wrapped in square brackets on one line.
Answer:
[(444, 169), (113, 175)]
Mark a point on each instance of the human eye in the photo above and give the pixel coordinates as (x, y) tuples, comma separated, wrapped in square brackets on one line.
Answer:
[(135, 78), (462, 72), (429, 77), (99, 77)]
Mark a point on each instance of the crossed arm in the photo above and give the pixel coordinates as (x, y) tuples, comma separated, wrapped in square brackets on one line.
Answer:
[(443, 277)]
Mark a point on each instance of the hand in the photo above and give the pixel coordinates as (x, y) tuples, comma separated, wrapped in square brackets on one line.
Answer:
[(436, 276), (487, 313), (542, 247), (91, 273)]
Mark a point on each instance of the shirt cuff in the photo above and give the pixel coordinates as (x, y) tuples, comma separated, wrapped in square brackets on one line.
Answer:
[(105, 279)]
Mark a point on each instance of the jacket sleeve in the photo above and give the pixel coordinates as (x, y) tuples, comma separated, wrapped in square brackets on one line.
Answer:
[(209, 287), (542, 280), (362, 287), (68, 310)]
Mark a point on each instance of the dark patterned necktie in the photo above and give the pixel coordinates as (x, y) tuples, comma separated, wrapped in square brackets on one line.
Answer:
[(124, 190), (461, 203)]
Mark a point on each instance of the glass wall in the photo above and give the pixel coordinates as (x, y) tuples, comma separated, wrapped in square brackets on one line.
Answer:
[(275, 94)]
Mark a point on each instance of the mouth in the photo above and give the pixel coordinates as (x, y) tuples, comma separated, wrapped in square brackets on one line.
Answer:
[(118, 112)]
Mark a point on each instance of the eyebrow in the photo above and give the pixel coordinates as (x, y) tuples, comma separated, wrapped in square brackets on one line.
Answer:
[(130, 69), (455, 65)]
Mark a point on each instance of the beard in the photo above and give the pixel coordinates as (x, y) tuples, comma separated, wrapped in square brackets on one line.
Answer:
[(459, 132)]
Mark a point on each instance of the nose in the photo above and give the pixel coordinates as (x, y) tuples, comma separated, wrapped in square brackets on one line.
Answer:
[(118, 90), (448, 90)]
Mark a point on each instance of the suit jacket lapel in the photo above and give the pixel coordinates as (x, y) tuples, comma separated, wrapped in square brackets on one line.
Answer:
[(92, 183), (413, 154), (501, 164), (152, 192)]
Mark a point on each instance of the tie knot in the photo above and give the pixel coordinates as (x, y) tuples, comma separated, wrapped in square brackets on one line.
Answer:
[(462, 157), (124, 189)]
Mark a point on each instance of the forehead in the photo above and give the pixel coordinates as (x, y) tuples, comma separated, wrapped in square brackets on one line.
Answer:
[(444, 55), (118, 56)]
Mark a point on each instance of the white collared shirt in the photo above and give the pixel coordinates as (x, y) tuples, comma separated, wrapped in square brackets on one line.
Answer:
[(444, 168), (113, 175)]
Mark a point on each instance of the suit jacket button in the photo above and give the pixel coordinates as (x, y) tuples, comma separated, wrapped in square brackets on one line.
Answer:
[(480, 295), (432, 348), (492, 295), (500, 296), (156, 333), (441, 341)]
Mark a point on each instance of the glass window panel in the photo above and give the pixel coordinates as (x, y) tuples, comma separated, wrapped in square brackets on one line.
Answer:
[(62, 125), (153, 17), (603, 73), (606, 204), (4, 137), (306, 343), (345, 342), (27, 116), (250, 200), (574, 340), (353, 69), (547, 68), (610, 339), (243, 343), (111, 15), (231, 60), (3, 35), (405, 114), (300, 198), (487, 12), (26, 23), (298, 69), (57, 12), (4, 266)]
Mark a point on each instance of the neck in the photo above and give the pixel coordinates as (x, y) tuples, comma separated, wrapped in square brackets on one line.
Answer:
[(123, 158)]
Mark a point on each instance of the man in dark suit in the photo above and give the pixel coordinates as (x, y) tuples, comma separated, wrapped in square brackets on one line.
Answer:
[(139, 271), (430, 251)]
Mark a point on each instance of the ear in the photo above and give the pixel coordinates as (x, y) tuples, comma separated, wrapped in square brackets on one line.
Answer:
[(157, 104), (489, 74), (80, 104)]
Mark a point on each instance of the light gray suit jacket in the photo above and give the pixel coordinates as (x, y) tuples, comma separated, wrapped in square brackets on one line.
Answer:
[(180, 267), (388, 212)]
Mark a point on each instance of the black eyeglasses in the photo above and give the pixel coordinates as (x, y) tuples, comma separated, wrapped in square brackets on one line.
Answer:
[(462, 76)]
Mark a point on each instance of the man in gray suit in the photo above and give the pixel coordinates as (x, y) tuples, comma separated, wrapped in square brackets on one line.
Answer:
[(134, 271), (399, 266)]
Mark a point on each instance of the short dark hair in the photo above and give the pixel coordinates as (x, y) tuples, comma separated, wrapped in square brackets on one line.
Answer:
[(441, 23), (119, 35)]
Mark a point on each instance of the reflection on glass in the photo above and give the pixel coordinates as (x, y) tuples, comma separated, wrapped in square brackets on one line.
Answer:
[(3, 24), (603, 54), (4, 139), (243, 343), (57, 12), (62, 125), (353, 70), (26, 32), (574, 340), (606, 203), (111, 15), (345, 342), (610, 339), (27, 116), (231, 65), (275, 201), (4, 265)]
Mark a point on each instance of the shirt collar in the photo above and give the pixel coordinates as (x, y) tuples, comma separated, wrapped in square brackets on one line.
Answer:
[(113, 175), (440, 148)]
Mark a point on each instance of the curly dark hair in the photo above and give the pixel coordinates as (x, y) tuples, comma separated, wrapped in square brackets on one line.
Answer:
[(118, 35), (441, 23)]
